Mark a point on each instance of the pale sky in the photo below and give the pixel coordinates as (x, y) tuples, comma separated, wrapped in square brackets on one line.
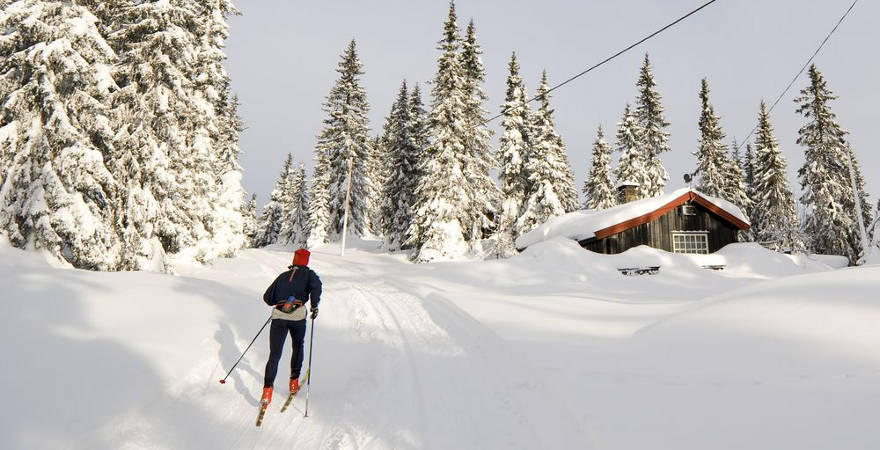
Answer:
[(283, 55)]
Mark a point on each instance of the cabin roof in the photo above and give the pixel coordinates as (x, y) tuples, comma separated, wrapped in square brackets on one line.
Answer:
[(588, 223)]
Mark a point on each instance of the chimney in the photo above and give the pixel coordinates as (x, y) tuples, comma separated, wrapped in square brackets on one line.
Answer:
[(627, 192)]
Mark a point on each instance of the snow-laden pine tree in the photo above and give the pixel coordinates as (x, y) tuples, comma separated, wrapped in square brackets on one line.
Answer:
[(272, 216), (775, 223), (442, 194), (347, 147), (736, 190), (249, 226), (551, 183), (419, 133), (748, 169), (653, 137), (484, 194), (220, 128), (319, 195), (598, 187), (633, 160), (295, 211), (56, 192), (831, 222), (402, 161), (711, 154), (378, 175), (513, 155), (164, 150)]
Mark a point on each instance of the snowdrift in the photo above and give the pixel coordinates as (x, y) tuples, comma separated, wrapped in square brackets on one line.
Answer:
[(553, 348)]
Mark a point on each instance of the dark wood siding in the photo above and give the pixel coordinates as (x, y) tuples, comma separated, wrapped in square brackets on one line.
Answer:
[(658, 233)]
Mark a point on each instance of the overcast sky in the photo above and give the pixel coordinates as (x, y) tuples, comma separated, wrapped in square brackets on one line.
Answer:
[(283, 55)]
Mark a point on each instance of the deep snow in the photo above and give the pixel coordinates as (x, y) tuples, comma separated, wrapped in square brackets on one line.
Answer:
[(550, 349)]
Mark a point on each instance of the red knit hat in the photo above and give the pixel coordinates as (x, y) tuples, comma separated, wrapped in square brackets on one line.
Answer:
[(301, 257)]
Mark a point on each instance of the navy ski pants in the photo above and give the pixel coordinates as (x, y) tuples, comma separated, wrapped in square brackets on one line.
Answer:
[(277, 334)]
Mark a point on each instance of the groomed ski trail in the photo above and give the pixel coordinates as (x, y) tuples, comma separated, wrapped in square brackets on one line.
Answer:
[(407, 372)]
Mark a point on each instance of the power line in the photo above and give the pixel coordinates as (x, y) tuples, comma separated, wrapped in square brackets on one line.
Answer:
[(599, 64), (800, 72)]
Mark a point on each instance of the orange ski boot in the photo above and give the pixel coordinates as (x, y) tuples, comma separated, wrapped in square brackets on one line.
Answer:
[(294, 386), (267, 396)]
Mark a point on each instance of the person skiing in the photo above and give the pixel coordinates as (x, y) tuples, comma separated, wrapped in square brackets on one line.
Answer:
[(286, 295)]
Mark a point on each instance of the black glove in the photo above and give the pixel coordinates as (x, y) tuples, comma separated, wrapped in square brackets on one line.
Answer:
[(314, 313)]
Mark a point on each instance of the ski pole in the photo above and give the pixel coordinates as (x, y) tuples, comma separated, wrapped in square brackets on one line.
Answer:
[(309, 369), (223, 381)]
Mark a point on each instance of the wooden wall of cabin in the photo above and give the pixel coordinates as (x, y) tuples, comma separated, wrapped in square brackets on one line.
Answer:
[(658, 233)]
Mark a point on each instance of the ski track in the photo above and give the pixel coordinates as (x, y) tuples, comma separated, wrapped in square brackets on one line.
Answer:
[(403, 353)]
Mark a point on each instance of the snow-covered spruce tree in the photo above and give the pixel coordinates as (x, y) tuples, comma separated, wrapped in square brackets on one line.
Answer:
[(513, 155), (56, 191), (736, 189), (711, 154), (598, 187), (378, 175), (347, 147), (272, 215), (419, 133), (295, 211), (484, 193), (632, 161), (830, 210), (319, 204), (402, 161), (748, 169), (551, 182), (436, 232), (249, 227), (775, 222), (218, 130), (653, 139), (163, 146)]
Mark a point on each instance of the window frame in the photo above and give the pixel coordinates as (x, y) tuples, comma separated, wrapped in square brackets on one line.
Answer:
[(690, 243)]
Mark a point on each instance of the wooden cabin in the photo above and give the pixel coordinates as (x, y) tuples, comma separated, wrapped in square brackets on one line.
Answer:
[(684, 221)]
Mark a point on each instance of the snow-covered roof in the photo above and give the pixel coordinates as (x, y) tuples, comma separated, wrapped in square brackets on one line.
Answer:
[(584, 224)]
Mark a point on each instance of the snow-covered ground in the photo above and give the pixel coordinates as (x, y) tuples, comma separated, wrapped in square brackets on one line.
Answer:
[(550, 349)]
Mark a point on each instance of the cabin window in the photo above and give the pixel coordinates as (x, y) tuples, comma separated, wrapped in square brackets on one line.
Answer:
[(688, 210), (690, 242)]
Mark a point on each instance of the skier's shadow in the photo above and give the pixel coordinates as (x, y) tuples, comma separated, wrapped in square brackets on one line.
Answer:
[(229, 352)]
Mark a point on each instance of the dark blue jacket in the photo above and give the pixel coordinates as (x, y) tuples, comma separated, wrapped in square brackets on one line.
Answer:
[(303, 285)]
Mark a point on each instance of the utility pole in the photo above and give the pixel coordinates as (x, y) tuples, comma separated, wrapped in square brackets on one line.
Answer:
[(347, 201)]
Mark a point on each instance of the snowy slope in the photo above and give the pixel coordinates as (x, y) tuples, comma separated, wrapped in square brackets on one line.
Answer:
[(550, 349)]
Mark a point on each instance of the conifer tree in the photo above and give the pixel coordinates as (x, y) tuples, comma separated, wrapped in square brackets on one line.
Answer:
[(598, 188), (748, 169), (345, 143), (401, 162), (419, 133), (319, 195), (484, 192), (775, 222), (736, 187), (272, 215), (249, 227), (550, 179), (56, 190), (632, 161), (295, 210), (830, 209), (513, 154), (442, 194), (711, 155), (653, 139), (163, 151)]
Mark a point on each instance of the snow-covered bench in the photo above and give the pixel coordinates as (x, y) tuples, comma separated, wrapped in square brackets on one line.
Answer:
[(630, 271)]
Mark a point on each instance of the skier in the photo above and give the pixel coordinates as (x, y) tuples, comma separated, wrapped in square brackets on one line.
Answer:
[(286, 295)]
